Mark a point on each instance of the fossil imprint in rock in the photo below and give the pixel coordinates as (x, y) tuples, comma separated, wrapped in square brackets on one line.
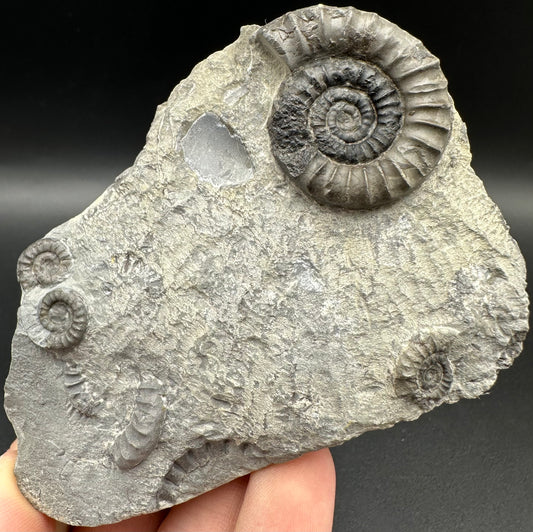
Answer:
[(300, 253)]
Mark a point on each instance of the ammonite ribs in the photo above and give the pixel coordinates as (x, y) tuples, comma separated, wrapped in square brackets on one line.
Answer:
[(142, 433), (364, 115), (62, 319), (424, 373), (44, 263), (80, 396)]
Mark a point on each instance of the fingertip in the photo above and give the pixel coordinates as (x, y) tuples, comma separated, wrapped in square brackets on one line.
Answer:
[(293, 496)]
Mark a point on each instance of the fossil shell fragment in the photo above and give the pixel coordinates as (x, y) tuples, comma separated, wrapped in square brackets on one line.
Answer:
[(364, 116), (81, 398), (142, 433), (201, 457), (45, 262)]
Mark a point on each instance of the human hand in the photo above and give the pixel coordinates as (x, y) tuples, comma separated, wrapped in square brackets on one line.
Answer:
[(295, 496)]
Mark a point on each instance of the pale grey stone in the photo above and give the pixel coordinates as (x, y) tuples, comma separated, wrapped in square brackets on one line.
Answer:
[(223, 306)]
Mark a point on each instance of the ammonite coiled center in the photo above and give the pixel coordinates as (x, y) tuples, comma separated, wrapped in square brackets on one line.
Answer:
[(435, 374), (343, 113), (63, 313), (357, 119), (56, 317)]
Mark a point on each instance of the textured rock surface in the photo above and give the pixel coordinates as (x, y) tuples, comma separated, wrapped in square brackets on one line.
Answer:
[(205, 317)]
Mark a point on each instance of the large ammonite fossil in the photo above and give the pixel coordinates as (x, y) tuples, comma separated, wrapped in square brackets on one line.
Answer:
[(365, 114)]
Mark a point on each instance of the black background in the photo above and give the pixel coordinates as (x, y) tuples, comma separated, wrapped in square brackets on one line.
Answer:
[(80, 84)]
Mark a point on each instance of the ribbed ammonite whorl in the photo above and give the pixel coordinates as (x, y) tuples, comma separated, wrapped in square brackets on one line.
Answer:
[(423, 372), (63, 317), (364, 115), (45, 262)]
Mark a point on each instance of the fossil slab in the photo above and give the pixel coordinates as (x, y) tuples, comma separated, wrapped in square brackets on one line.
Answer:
[(300, 253)]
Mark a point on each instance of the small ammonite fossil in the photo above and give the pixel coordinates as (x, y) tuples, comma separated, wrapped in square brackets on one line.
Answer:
[(45, 262), (62, 314), (424, 373), (364, 116)]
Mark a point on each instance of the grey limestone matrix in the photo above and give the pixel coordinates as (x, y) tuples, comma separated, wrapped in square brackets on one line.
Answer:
[(300, 253)]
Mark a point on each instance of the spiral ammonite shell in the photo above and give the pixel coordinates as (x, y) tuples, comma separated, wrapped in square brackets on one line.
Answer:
[(63, 317), (45, 262), (424, 373), (365, 115)]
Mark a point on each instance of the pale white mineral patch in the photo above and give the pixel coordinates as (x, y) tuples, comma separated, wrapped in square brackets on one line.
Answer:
[(217, 156), (300, 253)]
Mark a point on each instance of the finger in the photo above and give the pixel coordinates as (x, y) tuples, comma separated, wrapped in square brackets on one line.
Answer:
[(16, 513), (214, 511), (295, 496), (144, 523)]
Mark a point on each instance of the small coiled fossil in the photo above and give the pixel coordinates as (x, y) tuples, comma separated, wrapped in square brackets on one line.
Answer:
[(45, 262), (423, 372), (364, 116), (143, 431), (63, 318)]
